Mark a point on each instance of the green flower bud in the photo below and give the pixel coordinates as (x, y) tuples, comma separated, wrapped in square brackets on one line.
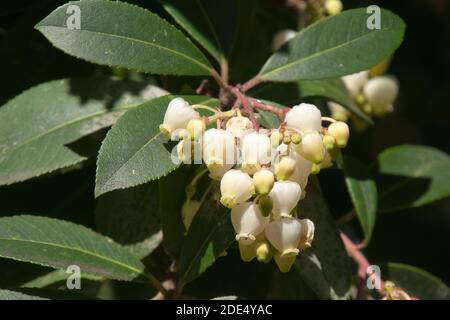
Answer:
[(285, 167), (263, 181), (265, 205), (329, 142), (340, 131), (296, 138), (263, 253)]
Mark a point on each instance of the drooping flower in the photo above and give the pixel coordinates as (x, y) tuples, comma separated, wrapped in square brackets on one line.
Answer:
[(263, 181), (177, 116), (284, 234), (285, 196), (338, 112), (355, 82), (307, 235), (311, 147), (218, 148), (256, 151), (248, 222), (236, 187), (285, 167), (340, 132), (239, 126), (380, 93), (305, 117)]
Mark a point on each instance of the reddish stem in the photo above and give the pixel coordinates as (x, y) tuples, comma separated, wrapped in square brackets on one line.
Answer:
[(260, 105), (203, 87), (247, 106), (250, 84)]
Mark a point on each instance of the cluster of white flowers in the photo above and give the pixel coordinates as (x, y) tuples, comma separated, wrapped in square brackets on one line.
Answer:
[(263, 173), (375, 95)]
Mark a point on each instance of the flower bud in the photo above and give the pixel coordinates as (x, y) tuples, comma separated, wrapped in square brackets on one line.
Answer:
[(355, 82), (235, 187), (381, 93), (296, 138), (263, 253), (256, 151), (218, 148), (311, 147), (248, 222), (285, 196), (307, 234), (177, 116), (340, 131), (338, 112), (217, 173), (248, 252), (285, 167), (275, 138), (281, 37), (305, 117), (265, 205), (328, 141), (239, 126), (315, 168), (284, 263), (284, 235), (263, 181), (333, 7), (195, 128)]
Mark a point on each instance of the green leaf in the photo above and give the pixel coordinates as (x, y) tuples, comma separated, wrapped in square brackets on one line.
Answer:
[(16, 295), (293, 92), (38, 128), (335, 46), (131, 218), (325, 267), (213, 23), (56, 276), (122, 35), (416, 282), (133, 151), (412, 176), (269, 119), (363, 192), (59, 244), (210, 234)]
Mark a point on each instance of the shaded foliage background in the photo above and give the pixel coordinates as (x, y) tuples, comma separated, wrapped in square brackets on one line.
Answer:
[(418, 237)]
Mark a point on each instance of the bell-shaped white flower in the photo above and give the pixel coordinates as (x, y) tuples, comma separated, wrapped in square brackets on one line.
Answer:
[(256, 151), (235, 187), (219, 148), (380, 93), (307, 236), (285, 196), (239, 126), (248, 222), (177, 116), (302, 170), (281, 37), (305, 117), (355, 82), (284, 234), (311, 147)]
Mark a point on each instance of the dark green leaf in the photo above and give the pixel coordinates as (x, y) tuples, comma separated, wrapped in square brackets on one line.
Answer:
[(131, 218), (133, 151), (55, 277), (122, 35), (16, 295), (325, 267), (363, 192), (336, 46), (210, 234), (59, 244), (38, 127), (412, 176), (213, 23), (416, 282)]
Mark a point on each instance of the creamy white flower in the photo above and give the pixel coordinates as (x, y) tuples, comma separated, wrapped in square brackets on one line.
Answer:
[(235, 187), (284, 167), (302, 170), (281, 37), (311, 147), (355, 82), (333, 7), (177, 116), (218, 148), (248, 222), (338, 112), (307, 234), (263, 181), (217, 173), (305, 117), (256, 151), (239, 126), (380, 93), (285, 196), (285, 234), (189, 151), (340, 132)]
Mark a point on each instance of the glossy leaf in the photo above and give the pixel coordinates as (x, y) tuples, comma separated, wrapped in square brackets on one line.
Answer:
[(131, 218), (39, 128), (416, 282), (412, 176), (212, 23), (363, 192), (134, 150), (59, 244), (122, 35), (325, 267), (55, 277), (335, 46), (210, 234)]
